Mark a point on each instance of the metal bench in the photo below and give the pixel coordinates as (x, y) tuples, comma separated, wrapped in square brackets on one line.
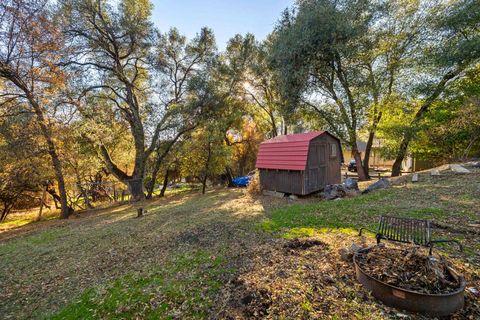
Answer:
[(406, 230)]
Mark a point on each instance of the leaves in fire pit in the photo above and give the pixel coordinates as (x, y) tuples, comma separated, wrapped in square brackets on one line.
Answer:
[(409, 268)]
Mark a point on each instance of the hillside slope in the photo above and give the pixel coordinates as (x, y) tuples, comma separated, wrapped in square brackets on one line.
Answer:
[(194, 256)]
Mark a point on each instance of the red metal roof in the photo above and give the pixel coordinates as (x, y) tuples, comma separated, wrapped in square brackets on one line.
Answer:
[(287, 152)]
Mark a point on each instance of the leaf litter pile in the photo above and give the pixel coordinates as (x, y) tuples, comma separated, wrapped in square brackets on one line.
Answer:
[(409, 268), (297, 279), (307, 278)]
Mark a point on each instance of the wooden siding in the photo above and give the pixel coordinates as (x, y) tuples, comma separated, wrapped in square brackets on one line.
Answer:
[(334, 162), (316, 166), (286, 181)]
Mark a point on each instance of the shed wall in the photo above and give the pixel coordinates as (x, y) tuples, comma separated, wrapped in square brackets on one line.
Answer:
[(334, 174), (323, 166), (287, 181)]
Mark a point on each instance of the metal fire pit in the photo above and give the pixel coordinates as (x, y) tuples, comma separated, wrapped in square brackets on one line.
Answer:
[(431, 304)]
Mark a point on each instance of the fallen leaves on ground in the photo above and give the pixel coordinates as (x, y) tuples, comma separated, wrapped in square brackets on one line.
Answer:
[(306, 278), (298, 279)]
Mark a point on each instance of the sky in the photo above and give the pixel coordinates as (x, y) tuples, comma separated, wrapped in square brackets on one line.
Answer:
[(225, 17)]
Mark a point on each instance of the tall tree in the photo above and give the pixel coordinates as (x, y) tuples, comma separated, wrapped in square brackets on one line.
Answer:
[(451, 46), (25, 167), (30, 43), (179, 62), (390, 46), (113, 46), (319, 54), (450, 132), (259, 86)]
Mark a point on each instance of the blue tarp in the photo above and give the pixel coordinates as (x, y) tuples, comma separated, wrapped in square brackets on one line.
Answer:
[(241, 181)]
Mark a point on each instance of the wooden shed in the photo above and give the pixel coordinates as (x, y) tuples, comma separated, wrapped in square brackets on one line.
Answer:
[(300, 163)]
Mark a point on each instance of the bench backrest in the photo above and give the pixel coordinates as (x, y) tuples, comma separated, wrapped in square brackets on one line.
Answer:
[(406, 230)]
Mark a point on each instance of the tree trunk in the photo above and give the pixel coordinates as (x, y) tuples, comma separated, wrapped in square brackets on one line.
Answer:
[(469, 146), (151, 186), (135, 186), (83, 192), (165, 183), (368, 149), (44, 195), (204, 183), (57, 165), (159, 160), (57, 198), (229, 175), (207, 165), (358, 161), (273, 124), (402, 152), (6, 210), (65, 208)]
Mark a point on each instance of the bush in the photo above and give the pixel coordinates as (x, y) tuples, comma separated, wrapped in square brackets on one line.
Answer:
[(254, 186)]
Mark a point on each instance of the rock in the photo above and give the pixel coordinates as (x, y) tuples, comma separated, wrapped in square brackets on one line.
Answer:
[(472, 290), (293, 197), (346, 254), (333, 191), (382, 183), (435, 172), (350, 184), (355, 248), (476, 165), (459, 169), (273, 194), (336, 191), (415, 177), (337, 199)]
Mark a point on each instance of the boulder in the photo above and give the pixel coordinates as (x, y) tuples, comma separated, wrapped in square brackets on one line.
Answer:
[(333, 191), (349, 188), (292, 197), (476, 164), (351, 184), (347, 254), (415, 177), (435, 172), (459, 169), (382, 183)]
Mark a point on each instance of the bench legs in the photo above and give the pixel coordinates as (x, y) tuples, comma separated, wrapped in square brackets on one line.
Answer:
[(378, 236)]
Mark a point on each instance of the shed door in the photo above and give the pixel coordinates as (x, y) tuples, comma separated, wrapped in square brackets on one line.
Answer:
[(316, 167)]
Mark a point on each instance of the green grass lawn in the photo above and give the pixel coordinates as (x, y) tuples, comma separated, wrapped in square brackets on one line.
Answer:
[(185, 257), (186, 284)]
